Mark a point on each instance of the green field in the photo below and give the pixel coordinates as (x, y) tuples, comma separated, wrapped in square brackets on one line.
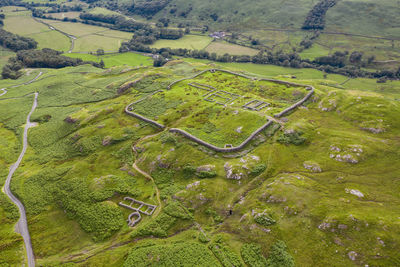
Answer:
[(91, 38), (25, 25), (188, 41), (221, 48), (130, 59)]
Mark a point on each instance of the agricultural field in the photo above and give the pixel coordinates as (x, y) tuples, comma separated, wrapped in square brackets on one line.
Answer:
[(91, 38), (62, 15), (23, 24), (119, 59), (189, 41), (221, 48)]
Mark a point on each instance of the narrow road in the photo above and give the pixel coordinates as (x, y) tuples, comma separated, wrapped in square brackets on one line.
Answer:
[(4, 91), (71, 37), (22, 225), (14, 86)]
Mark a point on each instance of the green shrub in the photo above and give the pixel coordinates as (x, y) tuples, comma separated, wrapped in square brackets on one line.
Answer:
[(167, 137), (258, 169), (252, 255), (214, 215), (175, 254), (177, 210), (279, 257), (264, 220), (203, 238), (206, 174), (158, 227), (224, 253), (292, 137), (188, 171)]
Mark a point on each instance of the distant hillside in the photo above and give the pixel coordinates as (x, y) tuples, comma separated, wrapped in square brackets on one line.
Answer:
[(368, 17)]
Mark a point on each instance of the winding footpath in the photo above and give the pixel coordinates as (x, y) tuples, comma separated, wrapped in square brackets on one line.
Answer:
[(22, 225), (145, 174)]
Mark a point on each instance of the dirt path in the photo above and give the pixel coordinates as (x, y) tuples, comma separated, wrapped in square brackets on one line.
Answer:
[(70, 36), (145, 174), (22, 225)]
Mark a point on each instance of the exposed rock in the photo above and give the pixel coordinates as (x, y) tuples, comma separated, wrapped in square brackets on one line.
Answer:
[(380, 241), (205, 168), (335, 148), (131, 173), (68, 119), (354, 192), (312, 166), (274, 199), (243, 217), (239, 129), (352, 255), (373, 130), (342, 226), (195, 184), (324, 226), (107, 140), (337, 241), (345, 158), (232, 173)]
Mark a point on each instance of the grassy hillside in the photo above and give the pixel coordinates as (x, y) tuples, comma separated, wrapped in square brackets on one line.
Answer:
[(298, 184)]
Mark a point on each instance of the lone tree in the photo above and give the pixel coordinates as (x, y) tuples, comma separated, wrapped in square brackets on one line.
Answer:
[(100, 52)]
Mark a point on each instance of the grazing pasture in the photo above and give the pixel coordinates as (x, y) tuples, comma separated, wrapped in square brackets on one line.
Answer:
[(221, 48), (188, 41)]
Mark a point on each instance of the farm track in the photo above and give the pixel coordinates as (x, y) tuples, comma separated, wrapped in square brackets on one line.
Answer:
[(18, 85), (71, 37), (22, 225)]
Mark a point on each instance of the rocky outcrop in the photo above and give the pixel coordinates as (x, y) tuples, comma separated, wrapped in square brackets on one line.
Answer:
[(312, 166)]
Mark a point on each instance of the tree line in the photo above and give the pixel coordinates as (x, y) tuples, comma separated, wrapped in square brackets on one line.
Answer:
[(315, 19), (45, 58), (338, 62), (13, 41)]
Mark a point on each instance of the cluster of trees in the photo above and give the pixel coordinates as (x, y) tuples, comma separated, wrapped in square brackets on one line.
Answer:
[(45, 58), (315, 19), (13, 41), (8, 2), (144, 33), (148, 8), (64, 8)]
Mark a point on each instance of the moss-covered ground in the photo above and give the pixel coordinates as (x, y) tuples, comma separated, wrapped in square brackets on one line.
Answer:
[(326, 183)]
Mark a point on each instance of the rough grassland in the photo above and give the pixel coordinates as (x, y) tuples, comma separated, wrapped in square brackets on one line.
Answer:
[(79, 166), (130, 59)]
